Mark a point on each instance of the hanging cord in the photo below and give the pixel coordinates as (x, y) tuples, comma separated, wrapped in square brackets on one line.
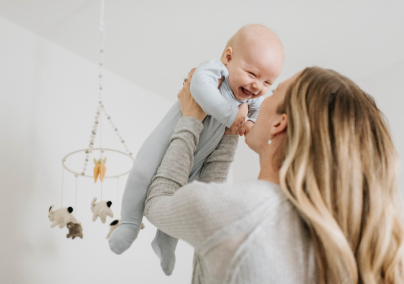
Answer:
[(102, 29), (102, 23), (100, 107), (61, 195), (117, 193), (75, 198), (102, 152)]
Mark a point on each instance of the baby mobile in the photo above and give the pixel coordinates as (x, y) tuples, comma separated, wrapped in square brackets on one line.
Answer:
[(64, 216)]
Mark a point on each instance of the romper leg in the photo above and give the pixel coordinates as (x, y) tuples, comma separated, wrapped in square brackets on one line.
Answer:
[(147, 161), (164, 245)]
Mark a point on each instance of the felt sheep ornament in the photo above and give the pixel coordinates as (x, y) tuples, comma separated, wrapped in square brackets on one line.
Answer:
[(101, 209), (75, 230), (115, 224), (61, 216)]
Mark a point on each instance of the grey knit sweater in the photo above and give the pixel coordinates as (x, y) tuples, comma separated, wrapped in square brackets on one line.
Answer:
[(244, 233)]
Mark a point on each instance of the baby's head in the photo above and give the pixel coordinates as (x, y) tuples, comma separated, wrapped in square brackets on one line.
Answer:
[(254, 58)]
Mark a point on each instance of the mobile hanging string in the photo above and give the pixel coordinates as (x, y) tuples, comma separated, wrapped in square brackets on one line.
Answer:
[(102, 29), (75, 197), (117, 193), (99, 169), (102, 23), (61, 195), (101, 107)]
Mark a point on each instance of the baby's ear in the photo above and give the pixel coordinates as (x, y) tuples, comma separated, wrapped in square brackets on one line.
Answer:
[(227, 55)]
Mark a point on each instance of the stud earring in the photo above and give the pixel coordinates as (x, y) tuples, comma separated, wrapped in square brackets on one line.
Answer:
[(269, 142)]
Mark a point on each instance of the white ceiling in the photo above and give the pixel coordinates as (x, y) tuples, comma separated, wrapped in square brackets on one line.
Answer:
[(155, 43)]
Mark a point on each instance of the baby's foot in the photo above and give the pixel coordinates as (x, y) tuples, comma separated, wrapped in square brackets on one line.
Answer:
[(164, 247), (122, 238)]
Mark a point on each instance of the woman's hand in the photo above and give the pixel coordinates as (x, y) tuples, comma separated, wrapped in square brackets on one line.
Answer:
[(189, 107)]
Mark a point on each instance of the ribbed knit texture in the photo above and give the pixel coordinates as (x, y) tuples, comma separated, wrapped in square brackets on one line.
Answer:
[(243, 233)]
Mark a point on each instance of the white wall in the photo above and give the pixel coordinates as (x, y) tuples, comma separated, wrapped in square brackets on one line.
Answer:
[(386, 86), (48, 97), (48, 100)]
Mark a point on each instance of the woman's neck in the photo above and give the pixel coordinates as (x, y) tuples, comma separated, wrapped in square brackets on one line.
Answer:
[(268, 172)]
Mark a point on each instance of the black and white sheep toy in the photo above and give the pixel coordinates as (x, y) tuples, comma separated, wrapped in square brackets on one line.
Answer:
[(115, 224), (101, 209), (61, 216)]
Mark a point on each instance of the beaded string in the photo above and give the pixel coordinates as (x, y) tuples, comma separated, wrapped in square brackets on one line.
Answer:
[(116, 130), (92, 138), (101, 107), (102, 29), (61, 195)]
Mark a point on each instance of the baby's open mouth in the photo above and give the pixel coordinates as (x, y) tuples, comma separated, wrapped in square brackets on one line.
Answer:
[(247, 92)]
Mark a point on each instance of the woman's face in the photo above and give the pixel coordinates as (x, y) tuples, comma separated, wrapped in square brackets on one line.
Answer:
[(268, 118)]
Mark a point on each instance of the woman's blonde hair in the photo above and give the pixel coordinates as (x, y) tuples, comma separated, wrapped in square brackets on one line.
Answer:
[(340, 170)]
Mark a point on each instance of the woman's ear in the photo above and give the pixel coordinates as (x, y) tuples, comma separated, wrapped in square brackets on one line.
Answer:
[(279, 125), (227, 55)]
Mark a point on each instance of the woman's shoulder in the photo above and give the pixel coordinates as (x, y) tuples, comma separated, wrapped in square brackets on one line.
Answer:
[(257, 192)]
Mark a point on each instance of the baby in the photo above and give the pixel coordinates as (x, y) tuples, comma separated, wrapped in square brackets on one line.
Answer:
[(250, 64)]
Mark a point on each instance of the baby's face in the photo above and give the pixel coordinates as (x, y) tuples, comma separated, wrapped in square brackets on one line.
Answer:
[(252, 71)]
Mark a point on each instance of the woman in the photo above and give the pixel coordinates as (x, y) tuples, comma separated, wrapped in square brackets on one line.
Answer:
[(324, 207)]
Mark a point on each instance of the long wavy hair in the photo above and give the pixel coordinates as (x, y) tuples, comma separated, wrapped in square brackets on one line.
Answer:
[(339, 168)]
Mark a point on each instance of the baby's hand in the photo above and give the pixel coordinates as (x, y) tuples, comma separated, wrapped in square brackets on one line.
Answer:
[(241, 116), (245, 129), (239, 121)]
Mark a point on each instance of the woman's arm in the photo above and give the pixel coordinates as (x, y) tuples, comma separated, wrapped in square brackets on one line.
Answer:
[(183, 213), (186, 214), (177, 162), (217, 165), (189, 213)]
